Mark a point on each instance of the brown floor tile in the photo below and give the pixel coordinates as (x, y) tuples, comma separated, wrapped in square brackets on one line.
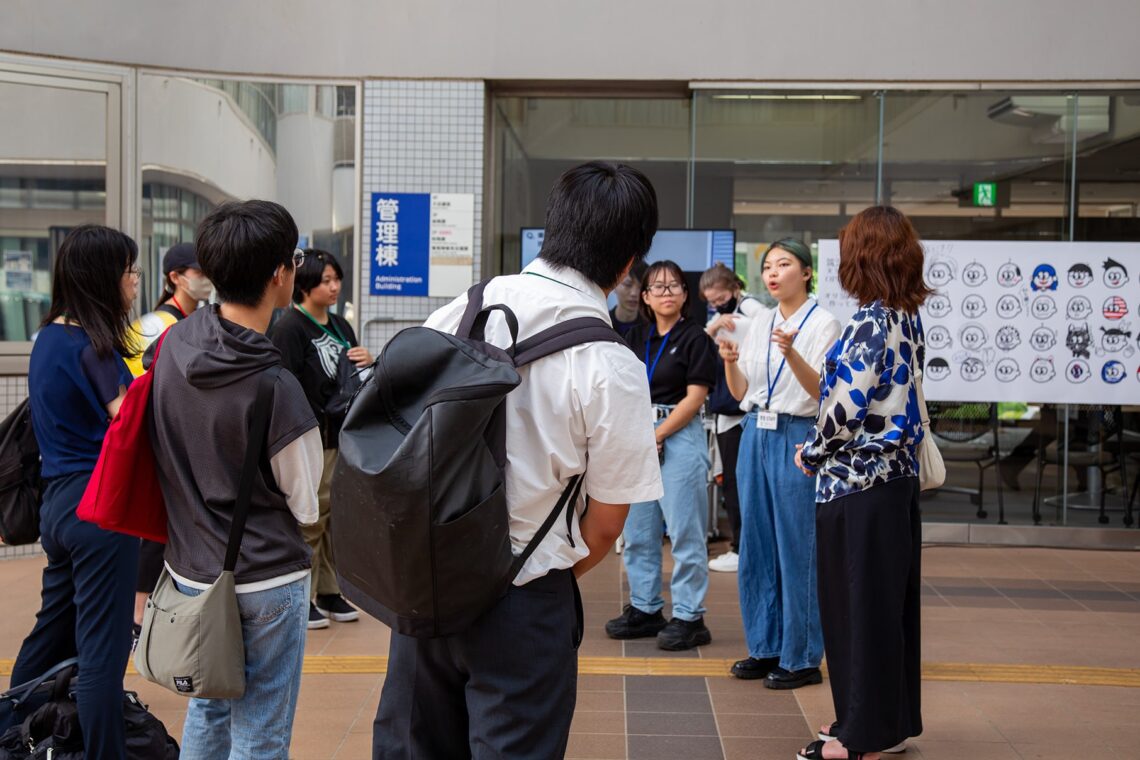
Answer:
[(596, 747), (688, 747), (685, 684), (762, 749), (763, 726), (672, 724), (598, 722), (667, 702)]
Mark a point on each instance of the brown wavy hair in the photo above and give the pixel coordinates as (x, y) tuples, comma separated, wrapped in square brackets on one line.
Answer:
[(880, 259)]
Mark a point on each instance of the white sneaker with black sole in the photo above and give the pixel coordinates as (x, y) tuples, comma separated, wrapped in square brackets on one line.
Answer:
[(334, 607), (316, 619)]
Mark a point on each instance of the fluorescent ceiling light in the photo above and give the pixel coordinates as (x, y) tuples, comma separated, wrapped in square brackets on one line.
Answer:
[(750, 96)]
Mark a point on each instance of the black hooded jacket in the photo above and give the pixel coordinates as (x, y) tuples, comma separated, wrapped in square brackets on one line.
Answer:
[(205, 384)]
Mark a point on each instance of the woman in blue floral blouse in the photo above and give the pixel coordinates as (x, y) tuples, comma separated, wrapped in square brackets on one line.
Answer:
[(863, 449)]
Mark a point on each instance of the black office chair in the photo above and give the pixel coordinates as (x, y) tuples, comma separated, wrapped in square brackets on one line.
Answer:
[(968, 432), (1090, 443)]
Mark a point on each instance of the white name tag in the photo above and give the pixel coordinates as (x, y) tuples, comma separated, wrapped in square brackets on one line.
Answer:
[(767, 419)]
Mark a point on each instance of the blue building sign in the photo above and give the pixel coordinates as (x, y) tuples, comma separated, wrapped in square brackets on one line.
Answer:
[(401, 244)]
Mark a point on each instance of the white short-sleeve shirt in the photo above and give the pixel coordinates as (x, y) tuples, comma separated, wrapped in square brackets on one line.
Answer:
[(747, 309), (580, 410), (815, 337)]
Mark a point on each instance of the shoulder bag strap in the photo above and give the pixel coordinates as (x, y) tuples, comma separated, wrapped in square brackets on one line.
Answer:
[(566, 501), (257, 442), (474, 306)]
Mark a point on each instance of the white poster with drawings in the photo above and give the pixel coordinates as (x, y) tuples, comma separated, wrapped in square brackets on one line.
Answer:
[(1040, 322)]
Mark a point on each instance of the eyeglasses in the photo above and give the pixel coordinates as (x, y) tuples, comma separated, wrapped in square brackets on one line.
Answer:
[(298, 257), (134, 272), (661, 288)]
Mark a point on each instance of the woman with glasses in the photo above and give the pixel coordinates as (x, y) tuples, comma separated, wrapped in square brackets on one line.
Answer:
[(321, 349), (681, 367), (77, 380), (864, 449), (775, 372)]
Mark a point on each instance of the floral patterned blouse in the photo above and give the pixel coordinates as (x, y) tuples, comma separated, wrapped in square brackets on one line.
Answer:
[(868, 425)]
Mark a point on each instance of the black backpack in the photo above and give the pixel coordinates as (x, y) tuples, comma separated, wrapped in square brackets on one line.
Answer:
[(50, 722), (20, 486), (422, 528)]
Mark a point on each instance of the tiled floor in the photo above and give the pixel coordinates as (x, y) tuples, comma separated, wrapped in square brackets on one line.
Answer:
[(984, 606)]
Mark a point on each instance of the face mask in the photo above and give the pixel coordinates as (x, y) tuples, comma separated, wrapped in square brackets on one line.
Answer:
[(199, 288), (727, 307)]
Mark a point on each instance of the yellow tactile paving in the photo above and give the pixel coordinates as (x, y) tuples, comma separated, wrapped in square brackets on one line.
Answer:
[(713, 668)]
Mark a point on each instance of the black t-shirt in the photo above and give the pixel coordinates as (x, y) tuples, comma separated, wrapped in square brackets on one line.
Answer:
[(312, 354), (689, 358), (623, 328)]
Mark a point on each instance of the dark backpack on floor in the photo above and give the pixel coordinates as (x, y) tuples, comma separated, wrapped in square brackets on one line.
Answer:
[(20, 486), (51, 727), (421, 532)]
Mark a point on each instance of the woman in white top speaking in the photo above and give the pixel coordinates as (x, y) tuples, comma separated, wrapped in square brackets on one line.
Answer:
[(775, 371)]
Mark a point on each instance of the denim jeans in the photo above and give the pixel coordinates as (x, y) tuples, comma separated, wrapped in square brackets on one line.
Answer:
[(777, 571), (259, 725), (684, 512), (87, 601)]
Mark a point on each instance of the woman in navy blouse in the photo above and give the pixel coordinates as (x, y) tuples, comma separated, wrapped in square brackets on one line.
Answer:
[(76, 381), (863, 449)]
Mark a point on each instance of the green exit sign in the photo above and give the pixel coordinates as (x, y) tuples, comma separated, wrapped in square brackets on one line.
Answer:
[(985, 194)]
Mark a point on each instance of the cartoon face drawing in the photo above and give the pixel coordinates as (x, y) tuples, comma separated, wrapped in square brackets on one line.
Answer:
[(1042, 370), (1007, 370), (1115, 275), (937, 369), (1114, 307), (1008, 306), (1078, 340), (1113, 372), (938, 306), (1079, 308), (938, 338), (1115, 339), (973, 337), (1007, 338), (973, 306), (1080, 275), (1044, 278), (1008, 274), (1078, 371), (1042, 339), (940, 273), (1043, 307), (973, 369), (974, 274)]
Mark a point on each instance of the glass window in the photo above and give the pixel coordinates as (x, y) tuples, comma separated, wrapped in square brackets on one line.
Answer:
[(537, 139), (53, 152), (294, 98), (774, 165)]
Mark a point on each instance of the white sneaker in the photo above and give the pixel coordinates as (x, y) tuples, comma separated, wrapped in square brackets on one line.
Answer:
[(725, 563)]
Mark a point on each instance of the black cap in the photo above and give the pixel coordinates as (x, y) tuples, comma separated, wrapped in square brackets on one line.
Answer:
[(179, 256)]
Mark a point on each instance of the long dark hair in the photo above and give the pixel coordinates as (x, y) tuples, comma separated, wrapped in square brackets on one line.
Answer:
[(168, 288), (87, 287), (672, 268)]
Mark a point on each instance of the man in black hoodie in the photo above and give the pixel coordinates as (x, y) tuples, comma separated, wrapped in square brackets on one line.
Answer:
[(205, 383)]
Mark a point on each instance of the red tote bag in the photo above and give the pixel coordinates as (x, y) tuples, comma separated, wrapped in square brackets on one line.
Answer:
[(123, 494)]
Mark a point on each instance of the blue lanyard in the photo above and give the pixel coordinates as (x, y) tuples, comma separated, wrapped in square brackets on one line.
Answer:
[(651, 368), (768, 364)]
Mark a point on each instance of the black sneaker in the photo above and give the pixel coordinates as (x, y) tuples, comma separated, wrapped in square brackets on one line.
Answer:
[(781, 678), (635, 624), (680, 634), (316, 619), (754, 668), (334, 607)]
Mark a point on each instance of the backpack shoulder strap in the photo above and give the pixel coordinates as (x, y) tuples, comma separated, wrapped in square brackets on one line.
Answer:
[(474, 306), (564, 335)]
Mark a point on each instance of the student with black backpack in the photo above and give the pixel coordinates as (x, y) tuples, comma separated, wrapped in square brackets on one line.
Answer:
[(505, 685), (76, 383)]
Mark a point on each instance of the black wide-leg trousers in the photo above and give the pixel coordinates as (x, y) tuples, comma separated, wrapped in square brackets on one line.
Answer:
[(869, 548)]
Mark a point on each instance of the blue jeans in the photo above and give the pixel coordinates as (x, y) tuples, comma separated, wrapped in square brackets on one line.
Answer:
[(259, 725), (777, 572), (683, 510), (86, 608)]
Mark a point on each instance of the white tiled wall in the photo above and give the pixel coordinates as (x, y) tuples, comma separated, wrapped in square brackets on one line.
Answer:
[(419, 137)]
